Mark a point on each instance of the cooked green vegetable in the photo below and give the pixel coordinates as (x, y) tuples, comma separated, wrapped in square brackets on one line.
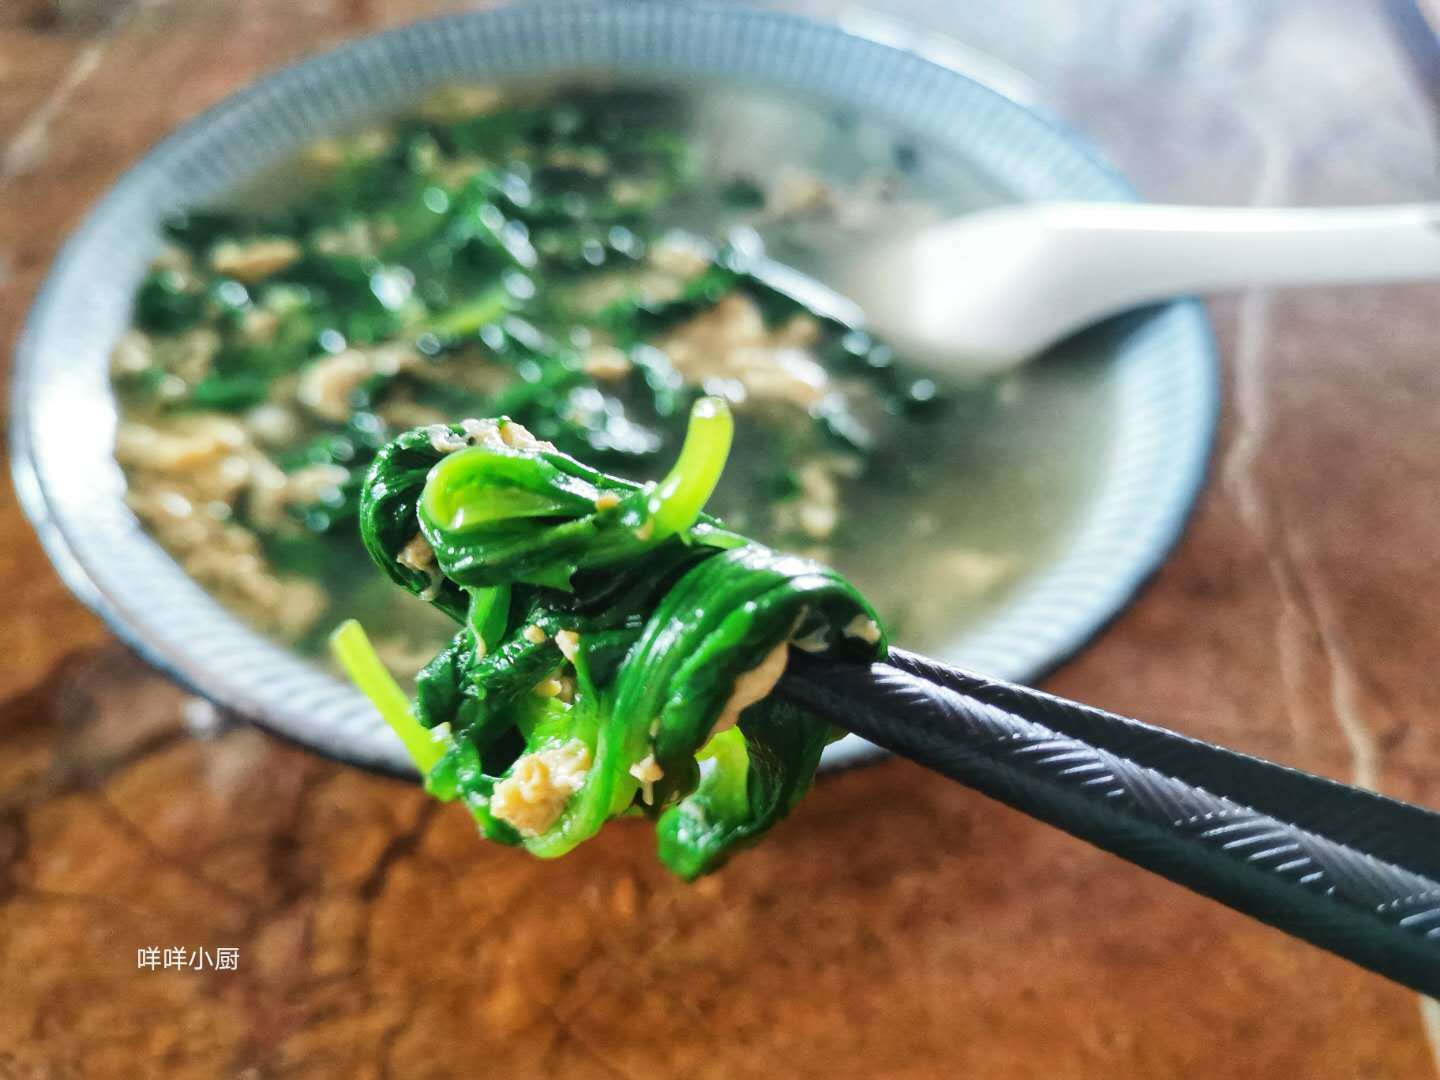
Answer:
[(616, 646), (555, 255)]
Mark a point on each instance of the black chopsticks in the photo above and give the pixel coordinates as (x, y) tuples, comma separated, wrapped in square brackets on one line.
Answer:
[(1340, 867)]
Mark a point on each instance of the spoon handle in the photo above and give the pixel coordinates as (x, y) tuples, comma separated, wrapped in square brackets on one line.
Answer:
[(1345, 869), (986, 291), (1163, 251)]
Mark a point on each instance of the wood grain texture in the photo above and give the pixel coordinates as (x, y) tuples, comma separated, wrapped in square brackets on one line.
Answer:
[(898, 925)]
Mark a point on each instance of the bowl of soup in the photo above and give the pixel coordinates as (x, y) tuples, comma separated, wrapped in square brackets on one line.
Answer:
[(541, 212)]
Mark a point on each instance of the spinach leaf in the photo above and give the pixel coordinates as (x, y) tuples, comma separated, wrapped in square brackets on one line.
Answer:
[(605, 631)]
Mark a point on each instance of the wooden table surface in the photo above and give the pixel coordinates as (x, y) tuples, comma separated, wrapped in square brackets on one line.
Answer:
[(898, 925)]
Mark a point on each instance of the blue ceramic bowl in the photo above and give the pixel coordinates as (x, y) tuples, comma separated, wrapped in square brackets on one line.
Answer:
[(1159, 369)]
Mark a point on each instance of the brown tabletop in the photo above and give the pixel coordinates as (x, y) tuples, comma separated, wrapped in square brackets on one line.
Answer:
[(898, 925)]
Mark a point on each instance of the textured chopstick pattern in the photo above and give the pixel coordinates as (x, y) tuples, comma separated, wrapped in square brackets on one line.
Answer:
[(1132, 791)]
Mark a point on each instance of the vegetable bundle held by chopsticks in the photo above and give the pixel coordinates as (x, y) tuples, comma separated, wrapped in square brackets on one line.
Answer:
[(616, 647)]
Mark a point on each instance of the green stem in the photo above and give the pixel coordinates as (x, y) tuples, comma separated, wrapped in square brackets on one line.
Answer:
[(490, 614), (728, 788), (462, 492), (679, 498), (467, 318), (351, 647)]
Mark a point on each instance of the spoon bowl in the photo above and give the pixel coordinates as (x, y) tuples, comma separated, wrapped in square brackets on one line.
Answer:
[(984, 293)]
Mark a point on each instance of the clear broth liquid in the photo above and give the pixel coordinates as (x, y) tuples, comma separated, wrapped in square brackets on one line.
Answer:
[(952, 515)]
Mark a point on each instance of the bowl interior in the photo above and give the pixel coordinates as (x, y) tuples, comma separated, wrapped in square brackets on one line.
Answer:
[(1094, 468)]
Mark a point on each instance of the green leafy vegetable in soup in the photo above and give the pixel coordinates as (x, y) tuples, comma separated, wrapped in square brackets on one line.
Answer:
[(616, 647), (488, 254)]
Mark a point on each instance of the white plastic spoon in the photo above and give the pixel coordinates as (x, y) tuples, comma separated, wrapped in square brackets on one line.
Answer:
[(987, 292)]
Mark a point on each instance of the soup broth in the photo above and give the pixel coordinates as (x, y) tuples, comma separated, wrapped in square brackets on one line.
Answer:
[(560, 254)]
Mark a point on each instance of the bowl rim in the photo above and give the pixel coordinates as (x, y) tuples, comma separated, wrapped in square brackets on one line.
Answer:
[(1107, 599)]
